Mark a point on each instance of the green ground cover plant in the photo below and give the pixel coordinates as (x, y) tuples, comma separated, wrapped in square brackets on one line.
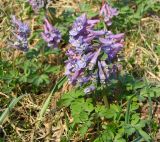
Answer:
[(81, 71)]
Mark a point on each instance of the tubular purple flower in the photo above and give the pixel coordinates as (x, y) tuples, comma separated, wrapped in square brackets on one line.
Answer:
[(102, 76), (51, 35), (97, 33), (36, 4), (117, 36), (112, 54), (70, 52), (89, 89), (78, 25), (68, 69), (105, 69), (81, 63), (92, 23), (108, 13), (21, 32), (87, 62), (112, 44), (84, 79), (74, 78), (94, 59), (106, 41), (21, 29), (82, 47), (76, 42), (21, 44)]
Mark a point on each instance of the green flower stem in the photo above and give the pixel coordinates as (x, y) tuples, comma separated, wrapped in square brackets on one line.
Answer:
[(105, 98)]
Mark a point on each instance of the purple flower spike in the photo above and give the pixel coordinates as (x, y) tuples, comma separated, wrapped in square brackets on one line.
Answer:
[(36, 4), (74, 78), (102, 76), (81, 63), (91, 23), (78, 25), (21, 29), (21, 43), (112, 44), (87, 62), (105, 69), (82, 80), (94, 59), (89, 89), (51, 35), (21, 32), (108, 13)]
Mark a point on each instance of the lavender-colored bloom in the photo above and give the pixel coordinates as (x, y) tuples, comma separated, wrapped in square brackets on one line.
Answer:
[(106, 70), (78, 25), (79, 43), (97, 33), (51, 35), (21, 32), (20, 28), (89, 89), (21, 43), (84, 79), (36, 4), (92, 23), (85, 64), (108, 13), (102, 76), (82, 62), (112, 44), (74, 78), (94, 59)]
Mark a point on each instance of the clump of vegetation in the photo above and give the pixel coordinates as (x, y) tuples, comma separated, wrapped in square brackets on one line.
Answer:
[(80, 71)]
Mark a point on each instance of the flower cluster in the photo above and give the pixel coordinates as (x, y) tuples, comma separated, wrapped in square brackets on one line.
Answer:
[(108, 13), (51, 35), (93, 51), (36, 4), (21, 32)]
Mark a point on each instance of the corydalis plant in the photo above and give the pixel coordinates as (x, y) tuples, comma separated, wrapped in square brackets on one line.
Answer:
[(51, 35), (93, 53), (21, 32), (107, 12), (36, 4)]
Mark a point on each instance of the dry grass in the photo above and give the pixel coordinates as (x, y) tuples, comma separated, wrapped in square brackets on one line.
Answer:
[(141, 48), (21, 125)]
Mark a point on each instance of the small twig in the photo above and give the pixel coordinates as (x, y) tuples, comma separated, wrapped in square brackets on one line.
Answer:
[(153, 75), (4, 95)]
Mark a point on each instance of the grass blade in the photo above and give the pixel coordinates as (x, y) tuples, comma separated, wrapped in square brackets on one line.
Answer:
[(57, 86), (10, 107)]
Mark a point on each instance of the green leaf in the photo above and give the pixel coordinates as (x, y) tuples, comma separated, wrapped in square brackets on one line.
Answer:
[(105, 136), (101, 110), (140, 125), (55, 69), (83, 116), (41, 79), (47, 102), (129, 129), (83, 129), (10, 107), (135, 119), (139, 85), (69, 97), (88, 106), (145, 136)]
